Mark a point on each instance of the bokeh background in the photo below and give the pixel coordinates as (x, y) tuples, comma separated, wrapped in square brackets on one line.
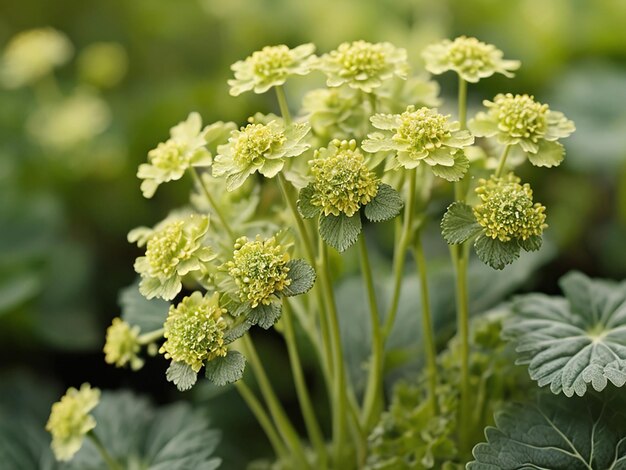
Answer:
[(70, 145)]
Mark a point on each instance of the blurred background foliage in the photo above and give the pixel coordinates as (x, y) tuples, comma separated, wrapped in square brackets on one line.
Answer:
[(70, 145)]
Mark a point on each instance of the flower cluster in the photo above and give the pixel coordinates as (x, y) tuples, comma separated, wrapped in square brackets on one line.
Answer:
[(259, 269), (194, 331), (469, 57), (173, 249), (122, 345), (270, 67), (70, 420), (363, 65)]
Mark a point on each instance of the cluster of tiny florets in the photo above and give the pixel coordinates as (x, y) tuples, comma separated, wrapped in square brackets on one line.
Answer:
[(342, 181), (422, 129), (259, 269), (519, 116), (254, 142), (122, 345), (271, 60), (507, 210), (167, 248), (169, 156), (194, 331)]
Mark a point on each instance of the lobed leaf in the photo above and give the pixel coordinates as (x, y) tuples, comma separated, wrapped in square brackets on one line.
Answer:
[(459, 224), (181, 375), (386, 205), (340, 232), (265, 315), (227, 369), (302, 277), (496, 253)]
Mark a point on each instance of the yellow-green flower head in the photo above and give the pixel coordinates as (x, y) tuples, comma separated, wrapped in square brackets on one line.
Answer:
[(122, 345), (363, 65), (335, 112), (103, 64), (261, 147), (422, 135), (342, 182), (507, 210), (469, 57), (70, 420), (194, 331), (32, 54), (185, 148), (259, 269), (271, 66), (173, 249)]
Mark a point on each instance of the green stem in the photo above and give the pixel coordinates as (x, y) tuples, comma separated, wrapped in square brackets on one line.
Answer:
[(502, 164), (400, 255), (284, 426), (462, 103), (108, 459), (312, 426), (264, 420), (282, 104), (304, 234), (216, 208), (372, 403), (428, 334), (151, 336)]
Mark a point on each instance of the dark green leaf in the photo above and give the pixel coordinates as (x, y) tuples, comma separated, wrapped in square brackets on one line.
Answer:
[(531, 244), (302, 277), (148, 315), (386, 205), (181, 375), (459, 224), (306, 209), (340, 232), (495, 253), (226, 370), (237, 330), (265, 315), (17, 288)]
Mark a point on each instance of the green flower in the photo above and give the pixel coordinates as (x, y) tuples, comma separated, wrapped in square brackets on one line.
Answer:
[(185, 148), (363, 65), (468, 57), (122, 345), (260, 270), (422, 135), (32, 54), (520, 120), (270, 67), (70, 420), (194, 331), (261, 147), (173, 249)]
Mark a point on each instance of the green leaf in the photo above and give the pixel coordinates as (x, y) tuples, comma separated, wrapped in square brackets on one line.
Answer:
[(306, 209), (182, 375), (548, 155), (237, 331), (576, 341), (386, 205), (148, 315), (18, 288), (531, 244), (555, 433), (226, 370), (459, 224), (495, 253), (454, 172), (302, 277), (265, 315), (340, 232)]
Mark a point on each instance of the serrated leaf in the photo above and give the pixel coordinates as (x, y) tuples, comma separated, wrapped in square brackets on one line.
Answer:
[(455, 172), (306, 209), (495, 253), (182, 375), (459, 224), (148, 315), (340, 232), (532, 243), (386, 205), (265, 315), (302, 277), (226, 370), (237, 330), (570, 343), (556, 433)]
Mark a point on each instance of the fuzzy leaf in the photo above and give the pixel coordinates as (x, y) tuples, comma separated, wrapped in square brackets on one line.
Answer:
[(459, 224), (265, 315), (302, 277), (495, 253), (531, 244), (548, 155), (181, 375), (148, 315), (237, 331), (340, 232), (386, 205), (454, 172), (306, 209), (226, 370), (576, 341)]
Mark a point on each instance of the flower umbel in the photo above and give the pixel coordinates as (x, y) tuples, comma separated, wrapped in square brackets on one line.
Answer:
[(469, 57), (363, 65), (70, 420), (271, 66), (122, 345)]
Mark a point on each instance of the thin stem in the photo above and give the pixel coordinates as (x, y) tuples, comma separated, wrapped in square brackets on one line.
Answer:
[(282, 104), (400, 255), (264, 420), (213, 204), (312, 426), (108, 459), (372, 403), (502, 164), (284, 426), (151, 336), (462, 103), (304, 234)]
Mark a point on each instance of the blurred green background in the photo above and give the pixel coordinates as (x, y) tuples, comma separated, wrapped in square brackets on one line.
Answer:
[(69, 150)]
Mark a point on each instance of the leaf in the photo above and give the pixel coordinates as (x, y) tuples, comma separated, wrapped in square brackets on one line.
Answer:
[(306, 209), (148, 315), (302, 277), (237, 330), (18, 288), (227, 369), (495, 253), (182, 375), (555, 433), (549, 154), (459, 224), (454, 172), (532, 243), (340, 232), (386, 205), (569, 343), (265, 315)]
